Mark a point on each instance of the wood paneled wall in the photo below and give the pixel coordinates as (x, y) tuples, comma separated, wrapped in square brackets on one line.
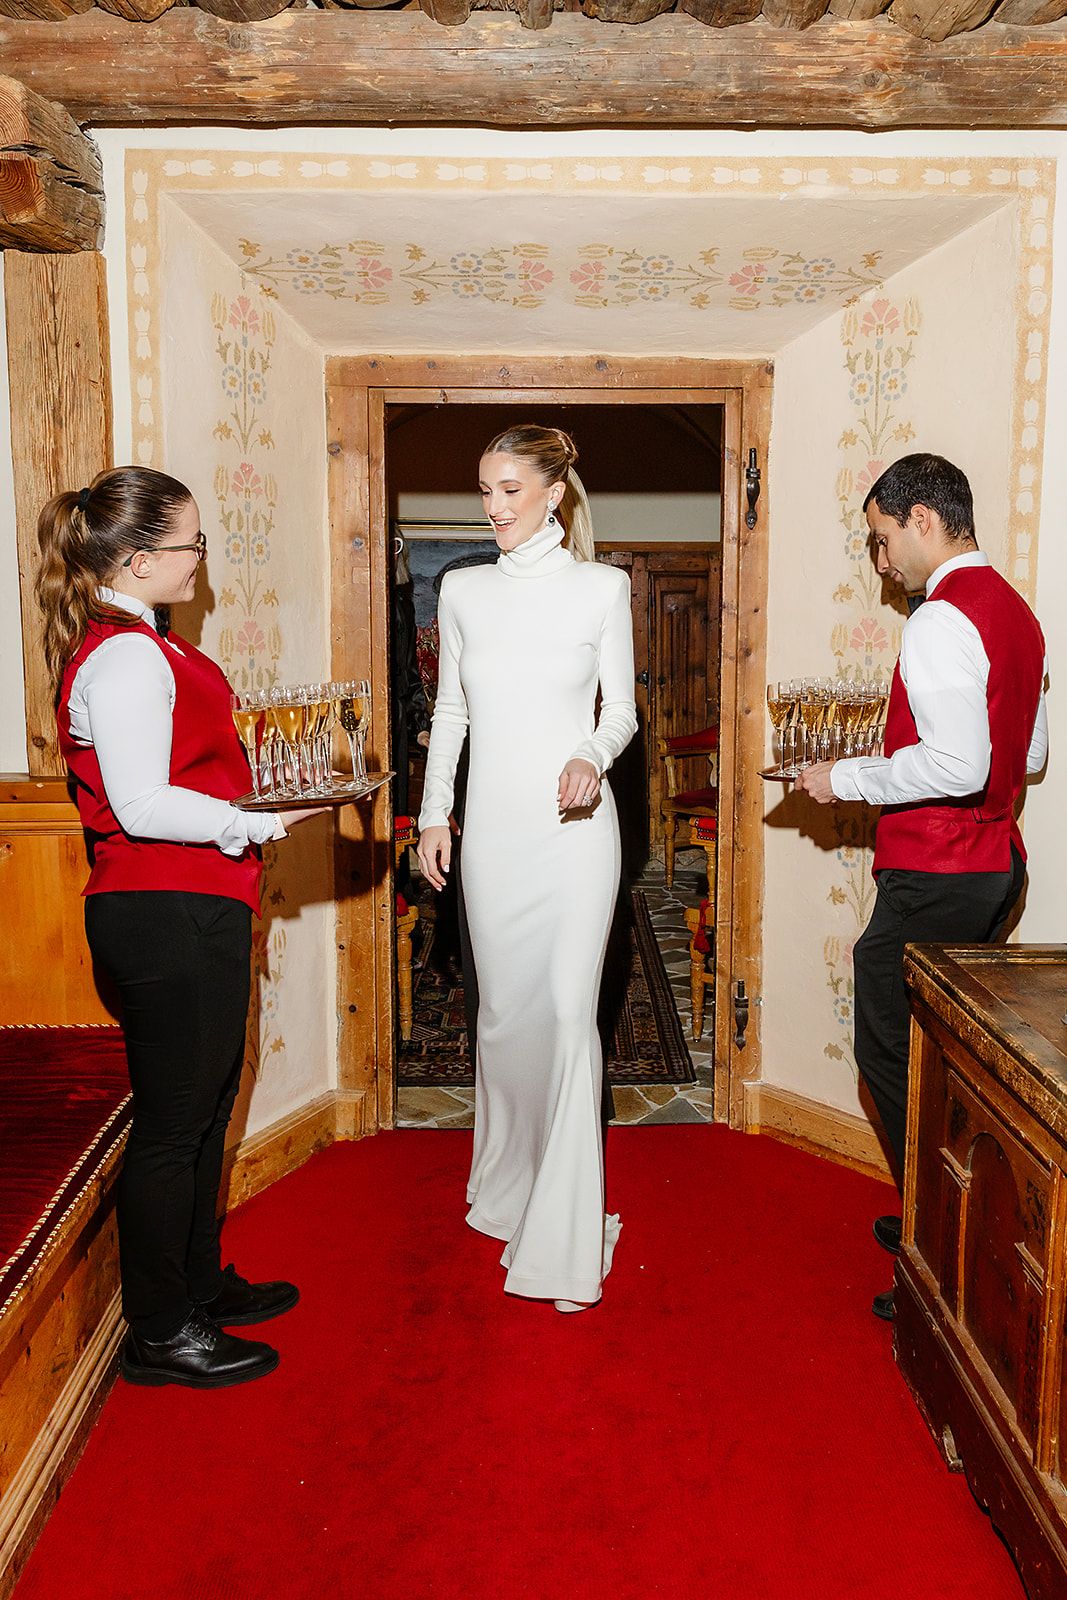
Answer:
[(46, 973), (60, 379)]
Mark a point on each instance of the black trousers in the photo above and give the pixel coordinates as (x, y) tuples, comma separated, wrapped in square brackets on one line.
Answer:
[(181, 964), (915, 908)]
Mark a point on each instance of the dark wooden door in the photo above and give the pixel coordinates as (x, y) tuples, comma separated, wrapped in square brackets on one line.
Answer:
[(675, 597)]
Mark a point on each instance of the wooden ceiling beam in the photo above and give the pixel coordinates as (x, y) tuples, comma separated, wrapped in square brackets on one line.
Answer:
[(353, 67), (51, 185)]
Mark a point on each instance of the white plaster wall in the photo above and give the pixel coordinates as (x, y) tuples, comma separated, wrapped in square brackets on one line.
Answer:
[(12, 698), (952, 312), (296, 936), (1045, 819)]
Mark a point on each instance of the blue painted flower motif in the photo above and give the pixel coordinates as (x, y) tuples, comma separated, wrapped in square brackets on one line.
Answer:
[(809, 293), (468, 288), (310, 260), (309, 283), (259, 548), (232, 381), (235, 549), (861, 390), (466, 263), (654, 291), (893, 384), (657, 266), (818, 267)]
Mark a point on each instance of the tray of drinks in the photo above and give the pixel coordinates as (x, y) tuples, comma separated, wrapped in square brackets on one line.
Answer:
[(342, 791), (823, 719)]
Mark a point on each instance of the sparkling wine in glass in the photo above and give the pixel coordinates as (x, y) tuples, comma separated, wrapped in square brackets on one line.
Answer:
[(246, 718)]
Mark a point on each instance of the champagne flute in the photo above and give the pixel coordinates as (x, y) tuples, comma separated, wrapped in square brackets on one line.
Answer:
[(776, 708), (348, 710), (791, 694), (362, 699), (246, 715), (288, 714)]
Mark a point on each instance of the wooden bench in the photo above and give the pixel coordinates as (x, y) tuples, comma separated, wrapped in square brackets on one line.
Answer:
[(64, 1112)]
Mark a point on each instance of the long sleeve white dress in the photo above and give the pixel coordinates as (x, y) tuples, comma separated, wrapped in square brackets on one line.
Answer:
[(523, 647)]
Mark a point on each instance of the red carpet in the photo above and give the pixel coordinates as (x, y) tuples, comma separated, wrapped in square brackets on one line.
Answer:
[(728, 1423)]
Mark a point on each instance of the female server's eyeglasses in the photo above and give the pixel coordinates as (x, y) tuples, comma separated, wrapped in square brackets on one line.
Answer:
[(199, 545)]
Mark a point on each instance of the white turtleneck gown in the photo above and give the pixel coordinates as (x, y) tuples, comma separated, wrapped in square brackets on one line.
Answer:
[(524, 645)]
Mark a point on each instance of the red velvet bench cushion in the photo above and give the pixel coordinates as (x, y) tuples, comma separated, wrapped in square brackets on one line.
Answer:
[(64, 1106)]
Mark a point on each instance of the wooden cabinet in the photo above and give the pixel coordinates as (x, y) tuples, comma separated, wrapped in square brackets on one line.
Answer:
[(982, 1278)]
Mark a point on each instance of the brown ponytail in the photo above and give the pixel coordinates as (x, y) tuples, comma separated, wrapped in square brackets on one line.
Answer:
[(552, 453), (84, 536)]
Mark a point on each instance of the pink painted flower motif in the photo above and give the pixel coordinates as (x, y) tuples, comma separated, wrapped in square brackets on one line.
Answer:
[(534, 276), (250, 638), (247, 481), (243, 315), (868, 477), (880, 318), (750, 279), (589, 277), (372, 273), (869, 635)]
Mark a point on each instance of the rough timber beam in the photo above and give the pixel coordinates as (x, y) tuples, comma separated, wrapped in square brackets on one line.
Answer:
[(51, 187), (358, 66)]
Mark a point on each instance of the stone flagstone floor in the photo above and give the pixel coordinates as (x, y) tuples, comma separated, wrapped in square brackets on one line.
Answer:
[(424, 1107)]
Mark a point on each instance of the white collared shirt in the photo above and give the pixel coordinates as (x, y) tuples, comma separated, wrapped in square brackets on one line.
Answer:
[(946, 673), (122, 703)]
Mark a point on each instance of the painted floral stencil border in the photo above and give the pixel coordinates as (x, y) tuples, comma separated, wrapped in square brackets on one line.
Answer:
[(151, 173)]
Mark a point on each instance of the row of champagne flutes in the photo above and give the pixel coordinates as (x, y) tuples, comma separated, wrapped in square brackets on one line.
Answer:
[(286, 734), (823, 719)]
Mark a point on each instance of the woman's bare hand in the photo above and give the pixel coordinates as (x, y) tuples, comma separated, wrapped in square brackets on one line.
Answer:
[(435, 854), (579, 785)]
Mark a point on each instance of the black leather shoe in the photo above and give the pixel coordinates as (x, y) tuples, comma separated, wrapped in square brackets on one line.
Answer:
[(239, 1302), (199, 1355), (887, 1232), (885, 1306)]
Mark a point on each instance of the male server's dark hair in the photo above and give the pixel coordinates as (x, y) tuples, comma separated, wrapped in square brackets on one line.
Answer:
[(926, 480)]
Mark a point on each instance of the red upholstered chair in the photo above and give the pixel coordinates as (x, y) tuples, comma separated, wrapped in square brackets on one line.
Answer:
[(405, 832), (681, 807)]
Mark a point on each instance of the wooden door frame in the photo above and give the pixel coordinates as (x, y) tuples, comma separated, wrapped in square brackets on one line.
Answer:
[(358, 390)]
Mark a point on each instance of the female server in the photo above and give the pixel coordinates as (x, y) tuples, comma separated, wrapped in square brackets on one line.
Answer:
[(145, 728)]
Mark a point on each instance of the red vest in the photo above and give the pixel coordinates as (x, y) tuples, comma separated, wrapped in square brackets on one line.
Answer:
[(974, 834), (206, 755)]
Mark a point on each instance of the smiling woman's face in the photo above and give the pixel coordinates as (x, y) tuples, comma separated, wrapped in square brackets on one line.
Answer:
[(516, 499)]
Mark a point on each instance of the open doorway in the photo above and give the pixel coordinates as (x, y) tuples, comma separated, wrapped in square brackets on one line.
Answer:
[(654, 475)]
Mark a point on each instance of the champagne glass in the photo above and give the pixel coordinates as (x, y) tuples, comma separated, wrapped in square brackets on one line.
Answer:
[(246, 719), (288, 716), (791, 694), (811, 718), (776, 708), (362, 699), (347, 706)]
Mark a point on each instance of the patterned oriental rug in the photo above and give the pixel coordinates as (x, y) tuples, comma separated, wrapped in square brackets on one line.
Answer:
[(639, 1023)]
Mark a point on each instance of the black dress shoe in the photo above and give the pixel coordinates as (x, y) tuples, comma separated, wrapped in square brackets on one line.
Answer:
[(885, 1306), (887, 1232), (199, 1355), (239, 1302)]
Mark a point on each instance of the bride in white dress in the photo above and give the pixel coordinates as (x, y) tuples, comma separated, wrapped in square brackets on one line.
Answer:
[(525, 644)]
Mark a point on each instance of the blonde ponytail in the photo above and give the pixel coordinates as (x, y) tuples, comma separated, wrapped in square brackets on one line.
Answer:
[(574, 513)]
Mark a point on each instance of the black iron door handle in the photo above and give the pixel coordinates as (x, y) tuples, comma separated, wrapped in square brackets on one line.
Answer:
[(740, 1013), (642, 678)]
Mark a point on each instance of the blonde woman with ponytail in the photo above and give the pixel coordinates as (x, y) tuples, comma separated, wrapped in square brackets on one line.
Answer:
[(145, 728), (526, 644)]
